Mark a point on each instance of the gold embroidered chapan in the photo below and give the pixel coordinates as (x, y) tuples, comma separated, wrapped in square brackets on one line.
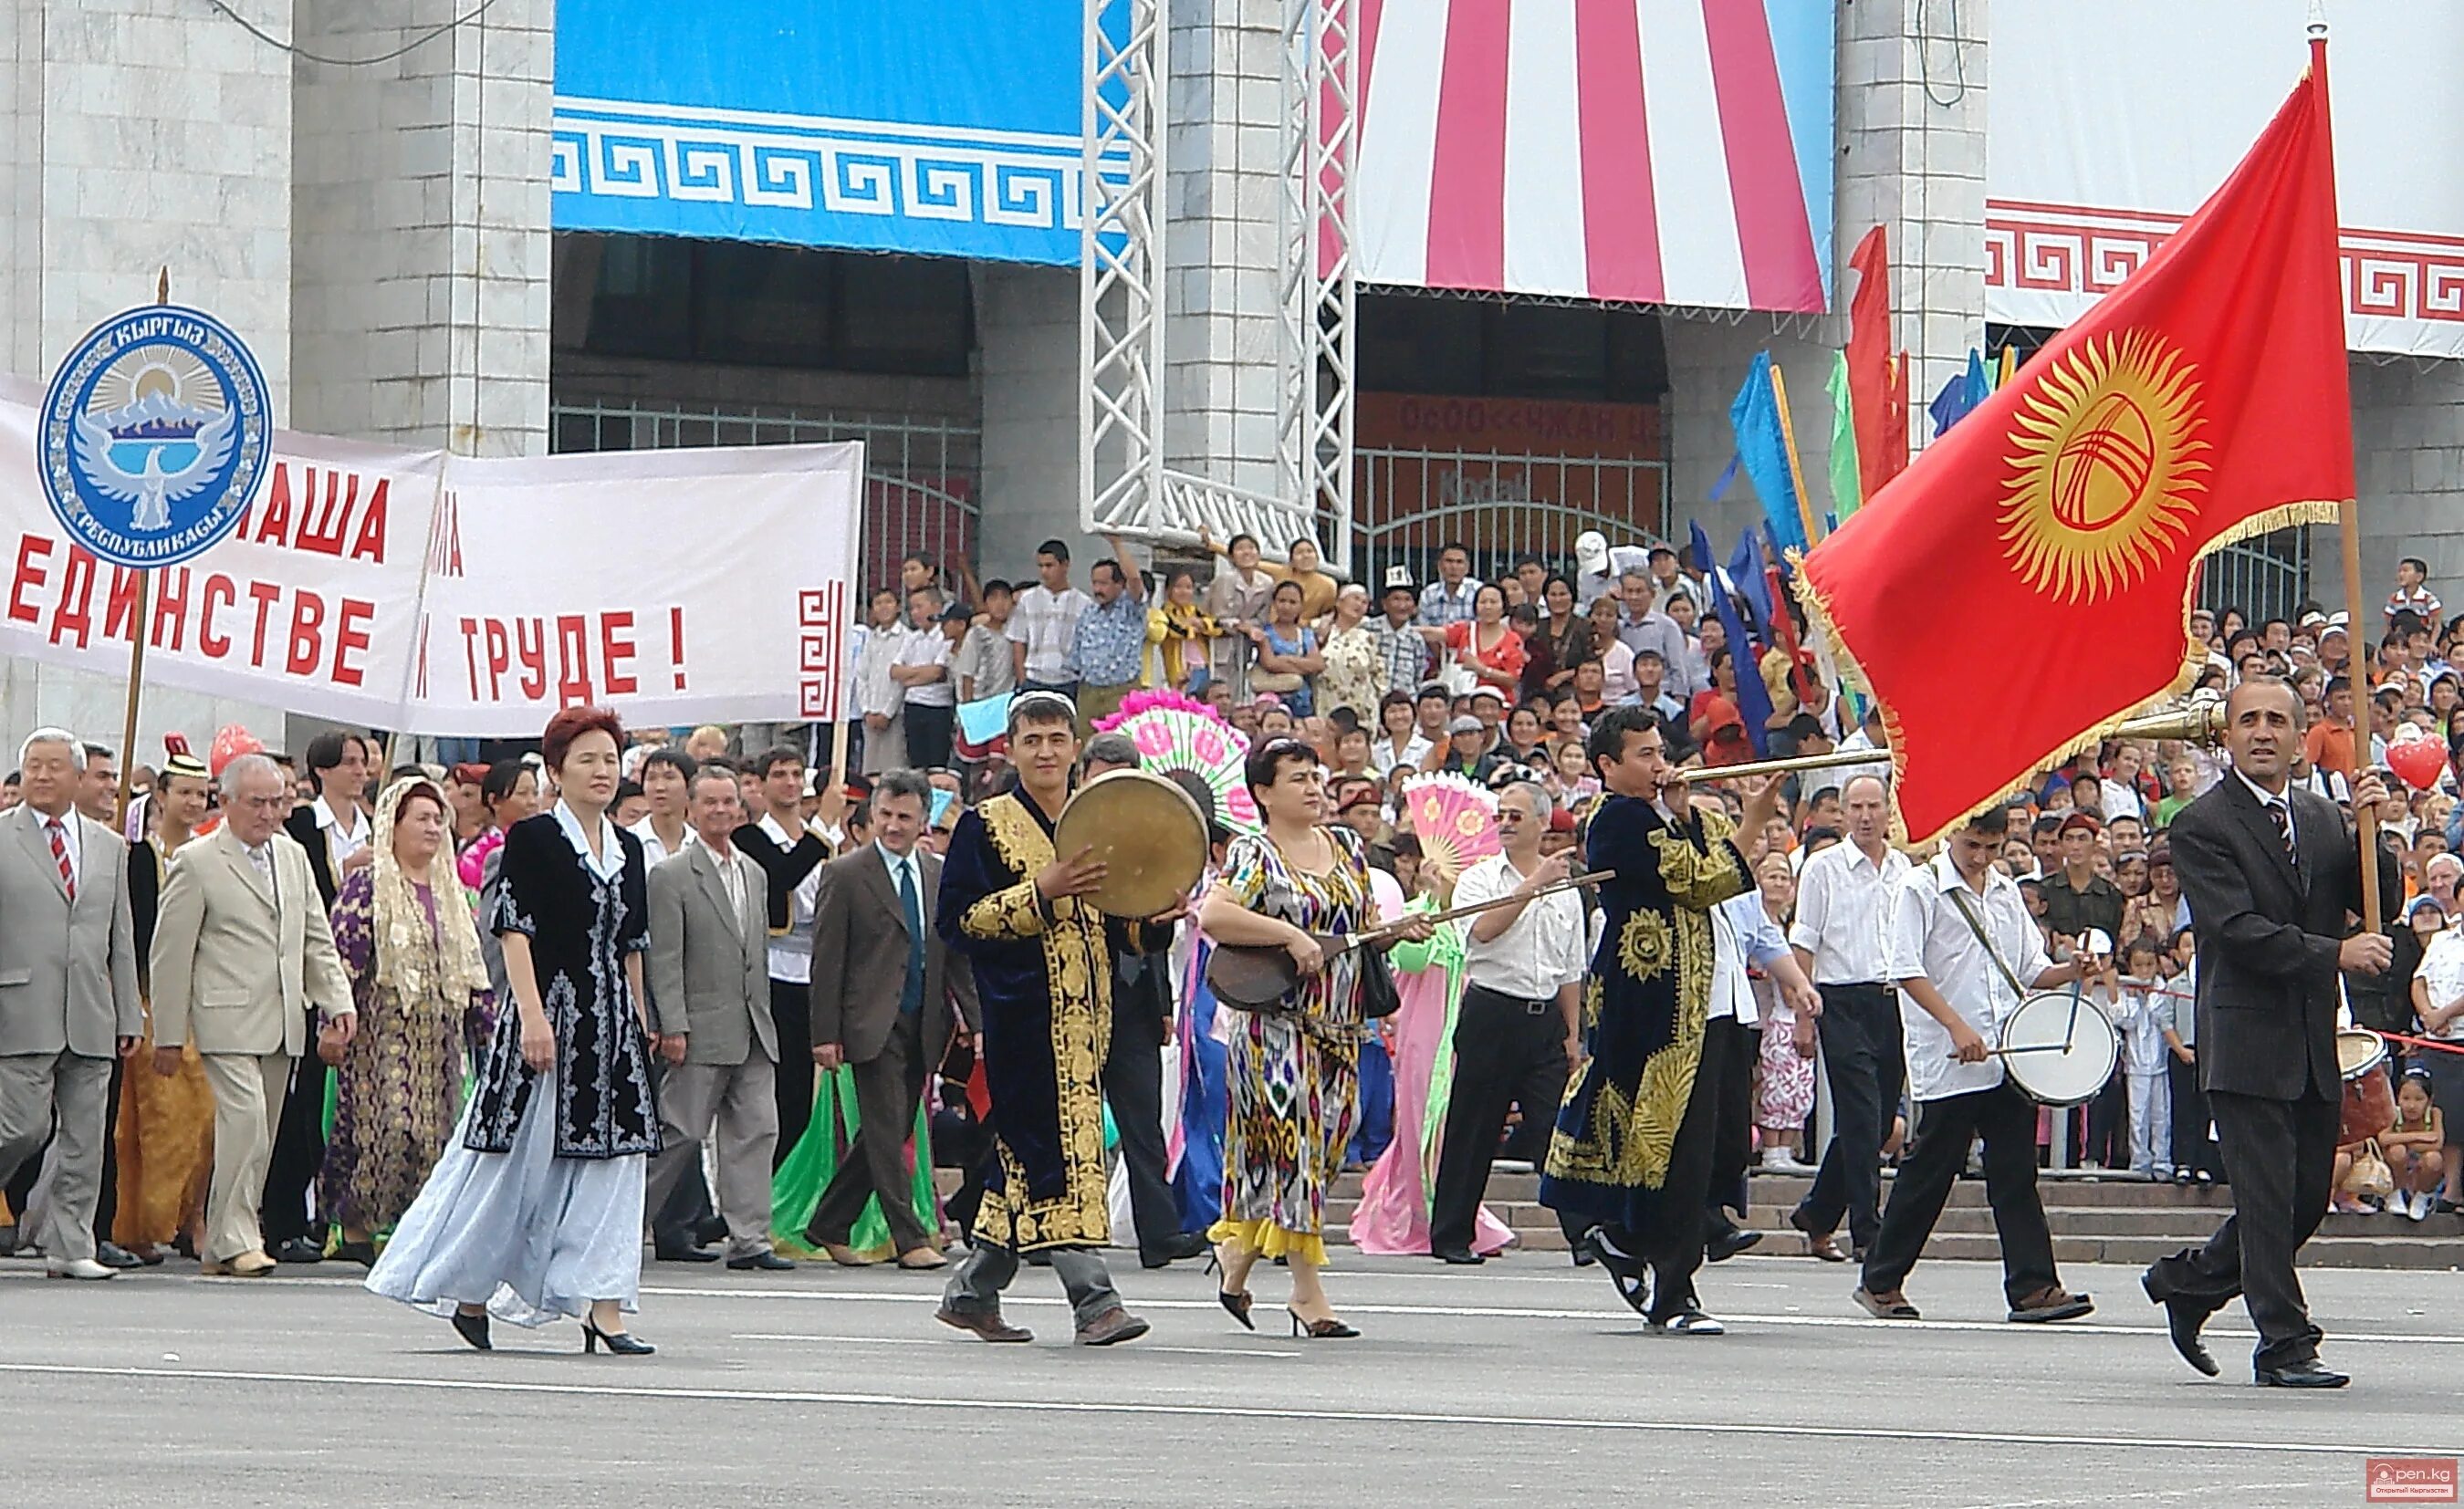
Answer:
[(1643, 1009), (1043, 974)]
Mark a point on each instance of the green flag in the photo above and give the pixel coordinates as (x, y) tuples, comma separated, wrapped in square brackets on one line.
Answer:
[(1846, 495)]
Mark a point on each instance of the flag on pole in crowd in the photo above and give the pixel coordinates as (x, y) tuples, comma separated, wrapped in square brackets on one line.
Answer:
[(1847, 489), (1877, 391), (2009, 366), (1762, 447), (1960, 396), (2023, 586), (1746, 579)]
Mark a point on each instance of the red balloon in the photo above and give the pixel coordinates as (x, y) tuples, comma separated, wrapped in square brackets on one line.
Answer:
[(230, 742), (2419, 761)]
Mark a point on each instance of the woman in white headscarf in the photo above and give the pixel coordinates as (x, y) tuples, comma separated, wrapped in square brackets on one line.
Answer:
[(403, 928)]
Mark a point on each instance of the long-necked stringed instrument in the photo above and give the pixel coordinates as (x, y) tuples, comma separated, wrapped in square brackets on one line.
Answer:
[(1252, 976)]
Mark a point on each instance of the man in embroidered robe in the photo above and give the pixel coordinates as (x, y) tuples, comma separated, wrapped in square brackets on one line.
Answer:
[(1630, 1163), (1044, 960)]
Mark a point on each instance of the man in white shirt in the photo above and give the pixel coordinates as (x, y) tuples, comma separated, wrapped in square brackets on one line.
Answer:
[(1597, 566), (791, 855), (1046, 624), (984, 665), (665, 775), (1964, 952), (1842, 907), (879, 697), (922, 672), (1519, 1033), (1745, 936)]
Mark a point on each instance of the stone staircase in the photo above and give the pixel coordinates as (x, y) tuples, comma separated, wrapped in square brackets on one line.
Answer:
[(2107, 1221)]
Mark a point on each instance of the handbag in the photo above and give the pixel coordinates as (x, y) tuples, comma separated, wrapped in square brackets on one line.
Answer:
[(1378, 995), (2369, 1177)]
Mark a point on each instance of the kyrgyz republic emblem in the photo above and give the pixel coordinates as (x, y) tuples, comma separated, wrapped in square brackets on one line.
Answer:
[(157, 431)]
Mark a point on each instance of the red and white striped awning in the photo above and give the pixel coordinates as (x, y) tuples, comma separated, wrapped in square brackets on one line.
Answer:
[(1660, 151)]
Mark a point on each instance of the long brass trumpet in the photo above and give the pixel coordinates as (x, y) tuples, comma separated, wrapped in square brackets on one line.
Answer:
[(2201, 720)]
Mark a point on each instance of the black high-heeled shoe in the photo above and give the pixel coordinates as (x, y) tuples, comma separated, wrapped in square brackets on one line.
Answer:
[(474, 1328), (621, 1344), (1325, 1330), (1237, 1306)]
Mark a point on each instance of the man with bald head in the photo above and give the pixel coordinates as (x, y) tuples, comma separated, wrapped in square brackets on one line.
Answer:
[(2273, 874), (1843, 902)]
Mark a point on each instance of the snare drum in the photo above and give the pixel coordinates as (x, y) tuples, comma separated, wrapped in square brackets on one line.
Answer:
[(2058, 1049), (2369, 1095)]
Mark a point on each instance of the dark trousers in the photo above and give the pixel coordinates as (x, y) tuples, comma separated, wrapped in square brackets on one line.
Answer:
[(887, 1088), (927, 735), (1506, 1051), (1732, 1121), (677, 1223), (2108, 1125), (1675, 1250), (2006, 1120), (1134, 1088), (2281, 1158), (1865, 1059), (791, 1012), (106, 1205), (298, 1153), (2192, 1148)]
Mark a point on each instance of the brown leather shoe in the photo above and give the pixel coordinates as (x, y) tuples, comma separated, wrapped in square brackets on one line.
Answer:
[(922, 1259), (2052, 1302), (846, 1257), (985, 1323), (1114, 1324), (1891, 1307)]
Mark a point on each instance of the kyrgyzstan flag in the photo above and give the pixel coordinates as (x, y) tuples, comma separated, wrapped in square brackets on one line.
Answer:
[(2025, 584)]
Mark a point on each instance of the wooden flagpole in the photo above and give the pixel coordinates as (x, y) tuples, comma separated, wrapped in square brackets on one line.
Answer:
[(138, 632)]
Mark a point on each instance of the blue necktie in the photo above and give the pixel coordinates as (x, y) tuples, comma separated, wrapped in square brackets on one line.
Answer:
[(911, 1000)]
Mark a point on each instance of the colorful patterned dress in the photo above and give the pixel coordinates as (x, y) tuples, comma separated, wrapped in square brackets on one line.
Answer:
[(1294, 1068), (399, 1091)]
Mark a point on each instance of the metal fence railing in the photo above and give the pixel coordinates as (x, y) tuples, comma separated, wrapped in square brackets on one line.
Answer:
[(1410, 504), (2266, 576)]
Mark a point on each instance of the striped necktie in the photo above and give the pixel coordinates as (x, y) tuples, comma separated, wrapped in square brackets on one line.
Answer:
[(2281, 812), (59, 836)]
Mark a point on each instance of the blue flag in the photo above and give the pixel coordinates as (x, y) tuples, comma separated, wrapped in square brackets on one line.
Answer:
[(1960, 395), (1746, 573), (1762, 447)]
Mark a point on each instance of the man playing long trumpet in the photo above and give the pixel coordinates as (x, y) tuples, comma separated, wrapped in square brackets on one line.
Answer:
[(1630, 1163), (1964, 952)]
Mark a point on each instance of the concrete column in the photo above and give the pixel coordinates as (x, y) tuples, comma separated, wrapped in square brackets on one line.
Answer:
[(1706, 363), (138, 135), (1027, 321), (2409, 464), (1222, 246), (421, 231)]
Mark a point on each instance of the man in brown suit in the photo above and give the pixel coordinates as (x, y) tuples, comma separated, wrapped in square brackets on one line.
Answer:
[(883, 986)]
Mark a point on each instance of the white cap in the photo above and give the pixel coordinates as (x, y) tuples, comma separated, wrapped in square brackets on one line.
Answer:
[(1591, 551), (1400, 577)]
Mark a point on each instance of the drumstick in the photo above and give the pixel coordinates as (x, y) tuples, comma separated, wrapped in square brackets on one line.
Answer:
[(2025, 1047)]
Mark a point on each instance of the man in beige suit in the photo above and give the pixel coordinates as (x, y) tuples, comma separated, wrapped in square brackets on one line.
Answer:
[(710, 981), (241, 949), (883, 983), (68, 989)]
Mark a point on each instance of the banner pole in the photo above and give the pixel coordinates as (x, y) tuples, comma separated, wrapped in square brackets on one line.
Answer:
[(1796, 468), (137, 637)]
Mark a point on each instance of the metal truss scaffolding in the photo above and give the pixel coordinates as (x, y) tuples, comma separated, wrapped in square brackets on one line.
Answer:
[(1120, 269), (1315, 419)]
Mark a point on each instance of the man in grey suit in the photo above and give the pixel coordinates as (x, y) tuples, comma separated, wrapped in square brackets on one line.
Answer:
[(68, 989), (883, 984), (710, 980), (242, 947)]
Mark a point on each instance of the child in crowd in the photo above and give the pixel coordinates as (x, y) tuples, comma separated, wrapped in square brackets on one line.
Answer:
[(2414, 1148), (2146, 1021)]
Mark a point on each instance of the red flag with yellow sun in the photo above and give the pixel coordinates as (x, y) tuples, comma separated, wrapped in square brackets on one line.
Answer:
[(2025, 584)]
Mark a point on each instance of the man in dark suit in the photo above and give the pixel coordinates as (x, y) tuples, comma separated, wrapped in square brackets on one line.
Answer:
[(335, 834), (2273, 873), (883, 985), (1134, 1068)]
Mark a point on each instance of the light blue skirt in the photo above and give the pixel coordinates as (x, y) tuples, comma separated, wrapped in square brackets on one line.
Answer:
[(533, 1237)]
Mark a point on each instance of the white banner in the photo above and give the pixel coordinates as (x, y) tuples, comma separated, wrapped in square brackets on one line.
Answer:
[(677, 586), (2109, 120)]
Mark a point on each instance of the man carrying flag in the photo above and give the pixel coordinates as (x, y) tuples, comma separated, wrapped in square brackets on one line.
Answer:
[(2202, 402)]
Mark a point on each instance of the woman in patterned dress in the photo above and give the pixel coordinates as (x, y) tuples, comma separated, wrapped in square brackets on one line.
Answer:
[(404, 933), (1295, 1067), (534, 1210)]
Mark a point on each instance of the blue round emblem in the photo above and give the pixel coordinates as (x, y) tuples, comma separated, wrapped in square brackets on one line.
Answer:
[(156, 433)]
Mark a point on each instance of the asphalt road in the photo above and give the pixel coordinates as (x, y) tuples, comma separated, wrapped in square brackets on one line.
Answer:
[(1522, 1382)]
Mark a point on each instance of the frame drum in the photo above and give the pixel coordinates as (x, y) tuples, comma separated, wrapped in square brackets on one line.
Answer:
[(2058, 1049), (1151, 836), (2369, 1095)]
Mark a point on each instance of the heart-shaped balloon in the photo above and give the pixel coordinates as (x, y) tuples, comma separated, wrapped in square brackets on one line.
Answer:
[(2420, 762)]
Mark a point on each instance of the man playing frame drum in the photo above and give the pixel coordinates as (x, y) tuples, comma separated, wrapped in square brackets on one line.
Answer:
[(1964, 952)]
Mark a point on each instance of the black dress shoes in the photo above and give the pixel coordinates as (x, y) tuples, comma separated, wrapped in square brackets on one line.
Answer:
[(761, 1261), (2183, 1322), (2303, 1374), (1460, 1257), (300, 1249), (686, 1255), (1172, 1249), (1728, 1242)]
